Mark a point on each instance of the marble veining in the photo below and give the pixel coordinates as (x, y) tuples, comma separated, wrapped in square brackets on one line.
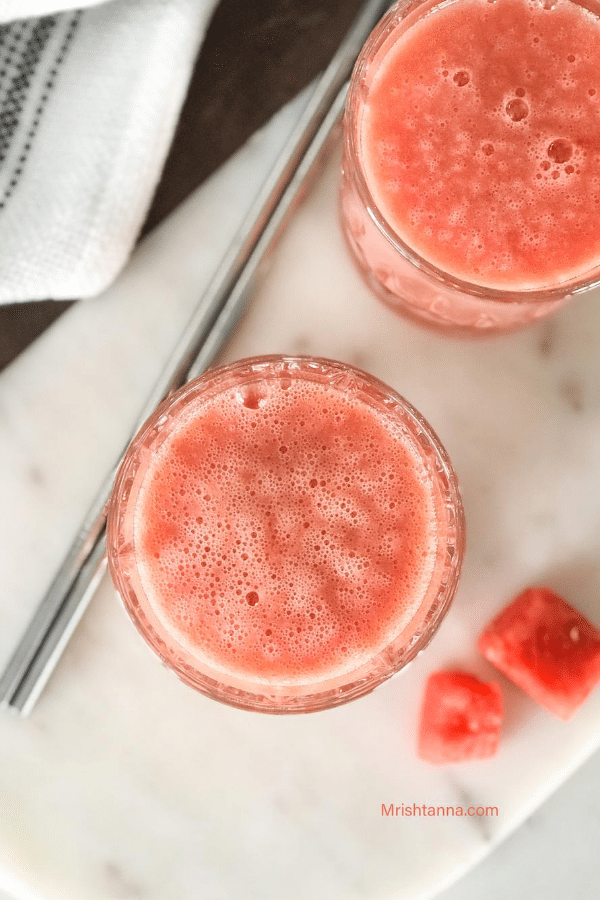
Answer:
[(120, 885), (547, 337), (572, 392)]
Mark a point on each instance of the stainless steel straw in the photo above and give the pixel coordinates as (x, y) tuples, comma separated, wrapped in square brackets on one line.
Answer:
[(212, 323)]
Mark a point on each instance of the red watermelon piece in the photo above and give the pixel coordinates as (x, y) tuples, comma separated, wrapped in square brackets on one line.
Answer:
[(548, 648), (460, 719)]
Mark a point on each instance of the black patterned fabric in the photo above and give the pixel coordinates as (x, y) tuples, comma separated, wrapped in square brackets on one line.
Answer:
[(31, 53)]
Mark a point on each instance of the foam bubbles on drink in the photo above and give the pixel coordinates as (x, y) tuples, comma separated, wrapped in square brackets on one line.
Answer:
[(461, 78), (517, 109), (288, 532), (560, 150), (523, 130)]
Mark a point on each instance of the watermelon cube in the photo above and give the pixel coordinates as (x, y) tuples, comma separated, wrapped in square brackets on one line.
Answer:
[(460, 720), (547, 648)]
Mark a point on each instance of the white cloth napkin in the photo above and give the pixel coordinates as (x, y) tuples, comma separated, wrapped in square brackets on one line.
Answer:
[(89, 100), (23, 9)]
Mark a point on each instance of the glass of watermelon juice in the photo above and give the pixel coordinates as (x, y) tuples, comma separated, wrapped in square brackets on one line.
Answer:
[(286, 533), (471, 171)]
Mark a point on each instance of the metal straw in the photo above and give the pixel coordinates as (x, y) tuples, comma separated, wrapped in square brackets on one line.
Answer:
[(209, 328)]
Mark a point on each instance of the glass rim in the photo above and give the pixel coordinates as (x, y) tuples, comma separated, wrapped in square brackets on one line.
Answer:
[(397, 14), (243, 692)]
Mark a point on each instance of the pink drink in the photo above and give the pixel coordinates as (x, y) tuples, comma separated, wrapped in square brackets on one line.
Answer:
[(471, 196), (280, 533)]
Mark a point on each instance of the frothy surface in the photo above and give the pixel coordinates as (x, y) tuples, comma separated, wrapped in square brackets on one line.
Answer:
[(285, 531), (481, 140)]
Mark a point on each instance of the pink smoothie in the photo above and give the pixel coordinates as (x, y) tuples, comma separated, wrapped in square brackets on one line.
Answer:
[(285, 531), (480, 140)]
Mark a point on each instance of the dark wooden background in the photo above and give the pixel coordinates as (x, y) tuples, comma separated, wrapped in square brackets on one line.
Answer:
[(256, 56)]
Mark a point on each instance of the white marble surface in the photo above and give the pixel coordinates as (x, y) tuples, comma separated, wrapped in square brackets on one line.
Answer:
[(126, 784), (566, 828), (553, 855)]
